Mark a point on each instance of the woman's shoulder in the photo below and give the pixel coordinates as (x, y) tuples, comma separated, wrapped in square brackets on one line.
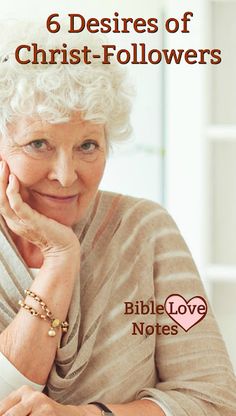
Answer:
[(139, 221), (127, 202), (132, 208)]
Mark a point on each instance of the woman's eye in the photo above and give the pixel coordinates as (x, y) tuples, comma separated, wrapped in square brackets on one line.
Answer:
[(89, 147), (38, 145)]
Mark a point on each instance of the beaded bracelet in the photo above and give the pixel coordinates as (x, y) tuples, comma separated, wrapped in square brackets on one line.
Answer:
[(55, 323)]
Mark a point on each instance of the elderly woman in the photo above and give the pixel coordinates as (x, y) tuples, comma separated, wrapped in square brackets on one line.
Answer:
[(85, 273)]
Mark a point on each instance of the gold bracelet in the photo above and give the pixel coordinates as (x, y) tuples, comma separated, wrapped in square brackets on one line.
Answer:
[(55, 323), (40, 301)]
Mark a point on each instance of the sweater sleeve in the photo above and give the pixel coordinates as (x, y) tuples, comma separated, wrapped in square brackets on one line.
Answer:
[(160, 404), (11, 379), (195, 374)]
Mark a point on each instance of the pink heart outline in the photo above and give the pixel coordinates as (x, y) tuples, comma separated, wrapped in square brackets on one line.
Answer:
[(192, 319)]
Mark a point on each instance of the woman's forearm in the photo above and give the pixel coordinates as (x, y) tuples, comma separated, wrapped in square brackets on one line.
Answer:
[(25, 342), (135, 408)]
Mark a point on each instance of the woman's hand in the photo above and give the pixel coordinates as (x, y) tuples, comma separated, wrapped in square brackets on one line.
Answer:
[(26, 401), (51, 237)]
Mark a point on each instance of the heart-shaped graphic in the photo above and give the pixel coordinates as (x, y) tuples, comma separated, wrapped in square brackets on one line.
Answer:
[(186, 314)]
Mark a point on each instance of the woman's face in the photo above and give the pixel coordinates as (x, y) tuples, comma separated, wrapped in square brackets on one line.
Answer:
[(59, 166)]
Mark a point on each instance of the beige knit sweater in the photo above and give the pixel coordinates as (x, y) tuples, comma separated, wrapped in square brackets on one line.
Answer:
[(131, 251)]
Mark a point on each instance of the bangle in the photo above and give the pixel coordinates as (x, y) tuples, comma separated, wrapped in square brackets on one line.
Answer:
[(104, 409), (55, 323)]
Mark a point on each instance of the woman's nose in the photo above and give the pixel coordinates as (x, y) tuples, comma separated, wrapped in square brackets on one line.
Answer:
[(64, 171)]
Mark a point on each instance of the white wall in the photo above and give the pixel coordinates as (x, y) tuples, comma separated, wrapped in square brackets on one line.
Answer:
[(185, 130)]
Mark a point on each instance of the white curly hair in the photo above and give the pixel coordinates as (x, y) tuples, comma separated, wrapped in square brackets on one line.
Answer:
[(101, 92)]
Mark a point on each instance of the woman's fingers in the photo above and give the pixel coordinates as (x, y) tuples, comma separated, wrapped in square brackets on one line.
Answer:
[(5, 208), (26, 402), (19, 402), (22, 210), (19, 216), (19, 409), (27, 222), (10, 401), (12, 207)]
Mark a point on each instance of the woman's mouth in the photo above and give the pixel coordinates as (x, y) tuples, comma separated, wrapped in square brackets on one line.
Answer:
[(57, 198)]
